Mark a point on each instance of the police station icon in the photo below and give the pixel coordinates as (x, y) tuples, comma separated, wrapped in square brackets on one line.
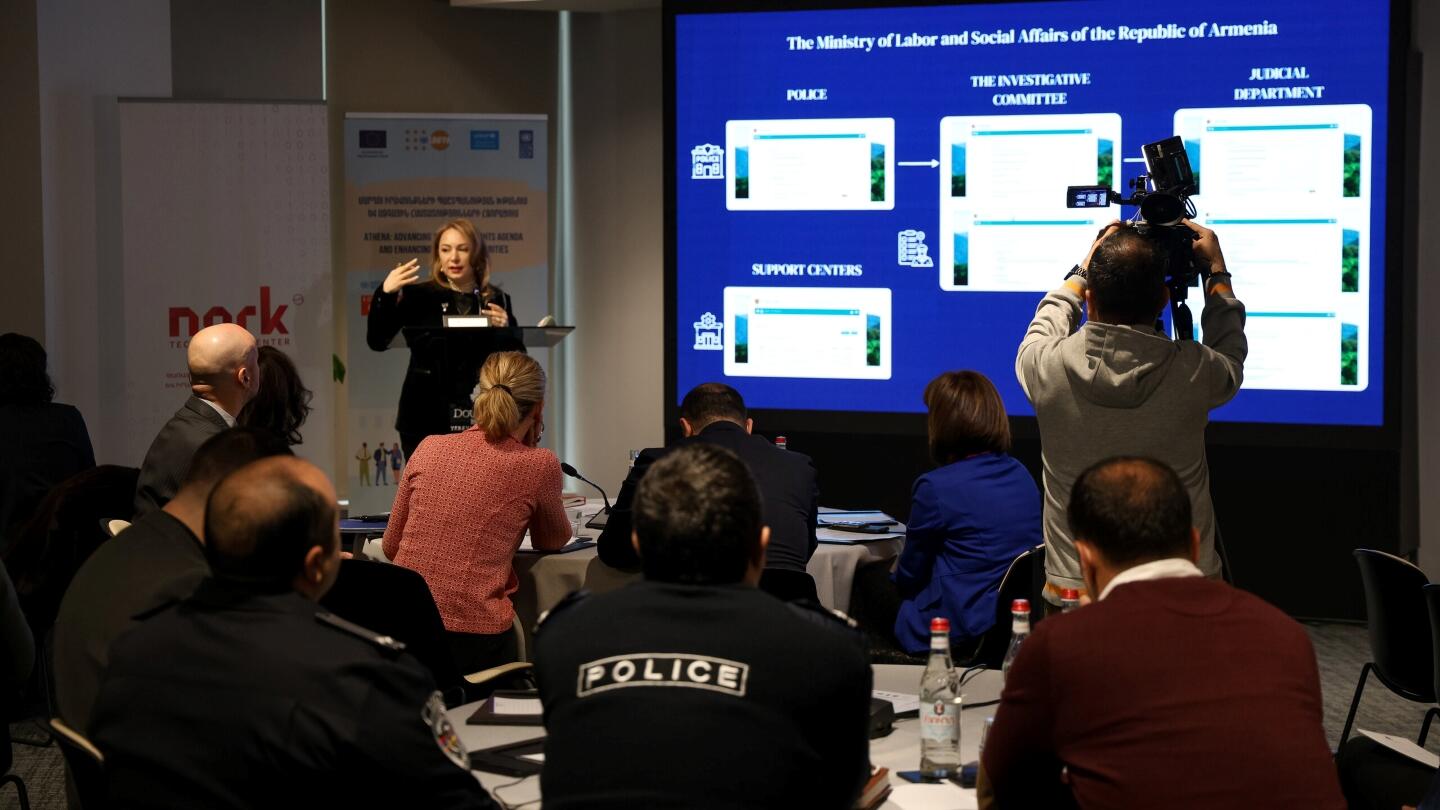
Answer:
[(707, 162), (709, 333), (913, 252)]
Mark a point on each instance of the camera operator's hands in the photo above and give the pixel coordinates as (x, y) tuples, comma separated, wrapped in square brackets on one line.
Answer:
[(1100, 237), (1207, 248)]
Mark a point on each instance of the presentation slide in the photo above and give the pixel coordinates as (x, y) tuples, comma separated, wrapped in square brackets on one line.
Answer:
[(865, 197)]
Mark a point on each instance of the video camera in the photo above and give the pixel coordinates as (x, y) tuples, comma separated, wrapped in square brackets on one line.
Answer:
[(1163, 196)]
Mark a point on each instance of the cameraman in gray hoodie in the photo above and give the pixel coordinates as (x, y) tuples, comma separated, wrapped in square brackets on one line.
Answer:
[(1116, 386)]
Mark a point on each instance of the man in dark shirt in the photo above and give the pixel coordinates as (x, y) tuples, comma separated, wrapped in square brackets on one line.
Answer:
[(714, 413), (157, 560), (247, 694), (224, 364), (1171, 690), (692, 688)]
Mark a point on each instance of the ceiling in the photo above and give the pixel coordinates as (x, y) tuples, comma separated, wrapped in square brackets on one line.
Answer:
[(558, 5)]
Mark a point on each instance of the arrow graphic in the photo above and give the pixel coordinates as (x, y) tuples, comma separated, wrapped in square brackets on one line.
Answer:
[(932, 163)]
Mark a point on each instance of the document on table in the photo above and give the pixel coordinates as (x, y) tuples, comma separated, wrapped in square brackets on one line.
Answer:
[(944, 796), (1400, 745), (510, 705), (901, 701)]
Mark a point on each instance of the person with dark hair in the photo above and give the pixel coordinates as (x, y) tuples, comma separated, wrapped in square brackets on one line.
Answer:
[(458, 283), (1117, 385), (1171, 689), (224, 369), (156, 560), (248, 694), (283, 402), (466, 500), (41, 442), (714, 413), (734, 698), (968, 519)]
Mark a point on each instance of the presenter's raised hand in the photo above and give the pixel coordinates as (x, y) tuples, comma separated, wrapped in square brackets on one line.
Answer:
[(402, 276), (1207, 248), (496, 314)]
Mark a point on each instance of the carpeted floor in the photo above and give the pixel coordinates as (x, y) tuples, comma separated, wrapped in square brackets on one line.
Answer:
[(1341, 650)]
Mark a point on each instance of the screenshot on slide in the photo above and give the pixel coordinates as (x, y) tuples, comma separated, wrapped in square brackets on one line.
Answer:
[(1002, 224), (842, 164), (1289, 188), (808, 332)]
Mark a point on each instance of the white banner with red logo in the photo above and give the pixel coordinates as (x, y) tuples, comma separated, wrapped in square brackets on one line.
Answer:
[(405, 175), (225, 216)]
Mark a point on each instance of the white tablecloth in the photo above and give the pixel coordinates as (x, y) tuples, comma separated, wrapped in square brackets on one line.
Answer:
[(900, 751)]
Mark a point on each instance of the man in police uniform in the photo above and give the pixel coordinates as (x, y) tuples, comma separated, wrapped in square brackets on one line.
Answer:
[(693, 688), (248, 695)]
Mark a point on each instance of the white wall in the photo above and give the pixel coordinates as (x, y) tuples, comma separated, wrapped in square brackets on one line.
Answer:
[(617, 255), (90, 52)]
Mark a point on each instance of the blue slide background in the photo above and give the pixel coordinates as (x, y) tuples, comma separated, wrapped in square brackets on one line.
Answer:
[(738, 66)]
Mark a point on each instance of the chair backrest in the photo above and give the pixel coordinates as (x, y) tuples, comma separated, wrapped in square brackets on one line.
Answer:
[(86, 764), (788, 586), (1018, 583), (396, 602), (1399, 623)]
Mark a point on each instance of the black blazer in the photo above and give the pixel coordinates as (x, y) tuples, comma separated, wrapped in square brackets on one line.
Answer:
[(40, 446), (169, 456), (787, 484), (430, 381)]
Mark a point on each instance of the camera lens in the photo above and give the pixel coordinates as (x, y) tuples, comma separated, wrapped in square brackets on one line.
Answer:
[(1160, 208)]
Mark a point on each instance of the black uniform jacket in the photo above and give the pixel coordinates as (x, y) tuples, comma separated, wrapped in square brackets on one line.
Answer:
[(168, 459), (666, 696), (239, 699), (437, 373), (786, 480)]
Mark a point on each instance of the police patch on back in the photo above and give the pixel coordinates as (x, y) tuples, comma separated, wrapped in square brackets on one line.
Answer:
[(444, 731), (663, 669)]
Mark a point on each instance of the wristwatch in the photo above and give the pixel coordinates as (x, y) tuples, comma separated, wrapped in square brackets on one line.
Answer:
[(1077, 270)]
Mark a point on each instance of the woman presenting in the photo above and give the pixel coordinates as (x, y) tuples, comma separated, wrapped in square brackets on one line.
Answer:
[(440, 372)]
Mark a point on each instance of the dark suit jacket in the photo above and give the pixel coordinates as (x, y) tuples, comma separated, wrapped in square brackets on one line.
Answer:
[(435, 376), (1174, 693), (40, 446), (787, 486), (169, 456), (155, 561)]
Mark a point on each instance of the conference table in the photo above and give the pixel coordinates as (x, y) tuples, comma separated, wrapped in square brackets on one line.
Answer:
[(547, 577), (899, 751)]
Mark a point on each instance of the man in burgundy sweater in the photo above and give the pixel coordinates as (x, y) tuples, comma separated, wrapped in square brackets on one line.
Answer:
[(1171, 690)]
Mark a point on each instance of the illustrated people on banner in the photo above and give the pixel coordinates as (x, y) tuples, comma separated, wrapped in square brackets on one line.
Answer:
[(364, 458), (381, 456), (397, 461)]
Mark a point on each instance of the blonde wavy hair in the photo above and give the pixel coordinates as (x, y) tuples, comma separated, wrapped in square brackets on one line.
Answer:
[(511, 385), (479, 254)]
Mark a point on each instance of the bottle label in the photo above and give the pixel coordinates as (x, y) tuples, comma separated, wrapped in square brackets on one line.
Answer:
[(939, 722)]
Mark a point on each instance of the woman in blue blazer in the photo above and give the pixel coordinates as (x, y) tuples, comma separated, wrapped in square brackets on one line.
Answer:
[(969, 518)]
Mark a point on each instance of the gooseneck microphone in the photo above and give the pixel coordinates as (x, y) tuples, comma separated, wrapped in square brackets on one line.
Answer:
[(574, 473)]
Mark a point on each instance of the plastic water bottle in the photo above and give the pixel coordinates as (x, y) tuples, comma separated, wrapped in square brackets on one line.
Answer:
[(1019, 630), (1069, 599), (634, 454), (939, 708), (782, 443)]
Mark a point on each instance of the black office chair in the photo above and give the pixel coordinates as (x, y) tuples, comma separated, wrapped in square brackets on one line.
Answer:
[(1019, 582), (789, 586), (1432, 603), (1401, 651), (86, 764), (7, 759), (395, 601)]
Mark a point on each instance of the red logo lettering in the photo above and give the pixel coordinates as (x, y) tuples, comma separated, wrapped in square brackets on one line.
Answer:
[(185, 320)]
